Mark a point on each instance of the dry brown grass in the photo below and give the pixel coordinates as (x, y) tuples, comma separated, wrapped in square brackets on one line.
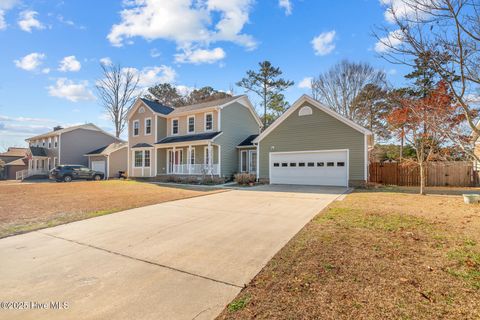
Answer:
[(26, 207), (375, 255)]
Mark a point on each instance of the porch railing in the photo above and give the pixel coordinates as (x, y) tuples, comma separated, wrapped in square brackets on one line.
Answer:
[(195, 169), (23, 174)]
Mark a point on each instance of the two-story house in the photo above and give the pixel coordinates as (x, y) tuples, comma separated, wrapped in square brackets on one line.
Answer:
[(199, 139), (64, 146)]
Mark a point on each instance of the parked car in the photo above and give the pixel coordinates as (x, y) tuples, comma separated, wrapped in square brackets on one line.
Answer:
[(71, 172)]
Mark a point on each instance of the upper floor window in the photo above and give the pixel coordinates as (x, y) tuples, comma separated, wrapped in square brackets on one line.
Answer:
[(136, 127), (191, 124), (148, 126), (208, 121), (174, 126), (49, 143), (43, 143), (55, 142)]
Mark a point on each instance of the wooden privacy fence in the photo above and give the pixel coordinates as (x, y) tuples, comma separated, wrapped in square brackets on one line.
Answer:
[(446, 173)]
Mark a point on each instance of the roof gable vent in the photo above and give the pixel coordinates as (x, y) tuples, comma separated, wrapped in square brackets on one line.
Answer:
[(305, 111)]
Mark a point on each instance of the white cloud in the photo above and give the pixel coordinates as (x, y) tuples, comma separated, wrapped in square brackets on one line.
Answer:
[(8, 4), (68, 89), (154, 53), (150, 76), (323, 43), (69, 63), (393, 40), (403, 9), (106, 61), (27, 21), (30, 62), (199, 56), (306, 83), (188, 23), (3, 23), (184, 90), (286, 5)]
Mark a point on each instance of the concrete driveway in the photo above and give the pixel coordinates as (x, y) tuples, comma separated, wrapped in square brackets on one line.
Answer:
[(183, 259)]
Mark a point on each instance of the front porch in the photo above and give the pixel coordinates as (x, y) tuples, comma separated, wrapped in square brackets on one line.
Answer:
[(191, 160)]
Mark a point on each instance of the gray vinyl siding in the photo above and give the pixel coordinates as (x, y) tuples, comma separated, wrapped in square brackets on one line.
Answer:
[(75, 144), (161, 161), (237, 123), (318, 131)]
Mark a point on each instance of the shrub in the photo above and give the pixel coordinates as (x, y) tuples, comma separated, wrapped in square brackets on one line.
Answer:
[(245, 178)]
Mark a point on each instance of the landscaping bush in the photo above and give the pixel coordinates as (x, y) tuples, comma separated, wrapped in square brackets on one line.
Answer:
[(245, 178)]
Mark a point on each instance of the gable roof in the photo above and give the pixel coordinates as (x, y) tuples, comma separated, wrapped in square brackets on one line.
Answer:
[(203, 105), (14, 152), (108, 149), (18, 162), (305, 98), (157, 107), (87, 126)]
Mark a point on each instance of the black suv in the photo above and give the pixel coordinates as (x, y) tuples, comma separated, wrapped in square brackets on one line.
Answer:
[(69, 172)]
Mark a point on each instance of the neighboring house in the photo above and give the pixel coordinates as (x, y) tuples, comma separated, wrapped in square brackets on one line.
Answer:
[(109, 159), (65, 146), (311, 144), (195, 140), (14, 160)]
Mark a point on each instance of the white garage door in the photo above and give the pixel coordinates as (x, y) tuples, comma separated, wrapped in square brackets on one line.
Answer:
[(325, 168), (98, 165)]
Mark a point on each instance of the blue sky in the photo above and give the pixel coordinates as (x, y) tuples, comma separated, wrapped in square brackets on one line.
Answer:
[(51, 50)]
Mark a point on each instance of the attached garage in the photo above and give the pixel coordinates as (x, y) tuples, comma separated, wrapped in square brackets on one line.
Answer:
[(109, 159), (311, 144), (99, 165)]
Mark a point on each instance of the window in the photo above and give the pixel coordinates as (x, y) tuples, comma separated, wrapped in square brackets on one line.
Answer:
[(243, 161), (208, 121), (146, 158), (192, 156), (136, 127), (330, 164), (43, 143), (148, 126), (191, 124), (253, 161), (311, 164), (293, 164), (174, 126), (55, 162), (276, 164), (301, 164), (340, 164), (49, 143), (284, 164), (138, 159), (320, 164), (55, 142)]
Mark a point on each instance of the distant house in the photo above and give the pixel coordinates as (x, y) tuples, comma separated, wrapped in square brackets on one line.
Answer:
[(65, 146), (15, 160)]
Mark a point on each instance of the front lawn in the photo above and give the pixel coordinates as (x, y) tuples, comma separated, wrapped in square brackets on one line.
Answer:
[(31, 206), (374, 255)]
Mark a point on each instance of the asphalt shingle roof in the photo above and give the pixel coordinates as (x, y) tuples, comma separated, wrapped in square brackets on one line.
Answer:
[(204, 105), (38, 151), (157, 107), (190, 137), (248, 141), (142, 145), (108, 148)]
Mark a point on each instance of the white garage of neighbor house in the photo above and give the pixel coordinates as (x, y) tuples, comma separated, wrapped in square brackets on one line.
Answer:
[(311, 144), (109, 159)]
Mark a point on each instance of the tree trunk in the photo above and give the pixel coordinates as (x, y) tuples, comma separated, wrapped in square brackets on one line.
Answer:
[(423, 178), (264, 106), (402, 141)]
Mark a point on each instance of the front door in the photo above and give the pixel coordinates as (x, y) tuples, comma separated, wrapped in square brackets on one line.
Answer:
[(174, 159)]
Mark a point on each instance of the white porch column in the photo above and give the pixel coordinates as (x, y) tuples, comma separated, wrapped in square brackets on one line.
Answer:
[(174, 168), (189, 159), (210, 156)]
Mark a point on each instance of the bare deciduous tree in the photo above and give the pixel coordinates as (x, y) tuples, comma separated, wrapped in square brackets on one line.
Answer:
[(338, 87), (116, 90), (445, 33)]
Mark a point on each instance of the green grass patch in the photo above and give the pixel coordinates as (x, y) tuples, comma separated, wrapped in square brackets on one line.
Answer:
[(239, 304), (355, 218), (467, 263)]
